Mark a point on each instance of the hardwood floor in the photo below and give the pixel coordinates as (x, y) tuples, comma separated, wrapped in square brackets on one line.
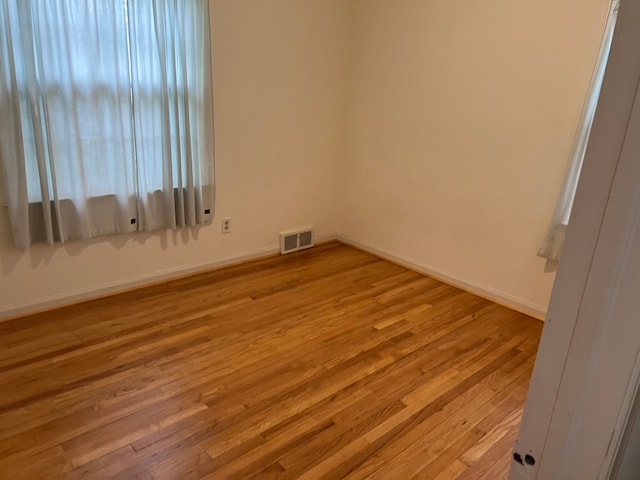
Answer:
[(328, 363)]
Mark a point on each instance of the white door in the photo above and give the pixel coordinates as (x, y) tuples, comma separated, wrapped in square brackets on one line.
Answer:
[(586, 372)]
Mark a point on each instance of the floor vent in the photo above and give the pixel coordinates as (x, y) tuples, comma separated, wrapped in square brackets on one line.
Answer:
[(295, 240)]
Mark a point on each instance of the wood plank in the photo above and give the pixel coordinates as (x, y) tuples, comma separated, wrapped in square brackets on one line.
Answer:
[(327, 363)]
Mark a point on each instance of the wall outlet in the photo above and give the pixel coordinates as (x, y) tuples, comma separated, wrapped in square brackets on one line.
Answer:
[(226, 225)]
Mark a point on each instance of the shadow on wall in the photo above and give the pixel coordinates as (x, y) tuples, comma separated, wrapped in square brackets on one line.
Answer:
[(551, 266), (42, 254)]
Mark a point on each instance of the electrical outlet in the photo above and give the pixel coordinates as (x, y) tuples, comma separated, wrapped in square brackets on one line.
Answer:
[(226, 225)]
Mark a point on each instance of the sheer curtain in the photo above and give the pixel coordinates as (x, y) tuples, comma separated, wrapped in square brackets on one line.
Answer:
[(173, 115), (551, 247), (107, 116)]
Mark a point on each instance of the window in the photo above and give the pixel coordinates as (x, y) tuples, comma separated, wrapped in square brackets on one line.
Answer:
[(107, 119), (551, 247)]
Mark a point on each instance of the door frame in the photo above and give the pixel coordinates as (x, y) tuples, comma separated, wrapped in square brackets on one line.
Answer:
[(589, 345)]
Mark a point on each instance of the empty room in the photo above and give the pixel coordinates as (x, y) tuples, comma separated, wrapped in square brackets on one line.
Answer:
[(302, 238)]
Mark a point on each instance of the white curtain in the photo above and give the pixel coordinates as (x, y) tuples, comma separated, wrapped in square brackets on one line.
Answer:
[(107, 121), (551, 247)]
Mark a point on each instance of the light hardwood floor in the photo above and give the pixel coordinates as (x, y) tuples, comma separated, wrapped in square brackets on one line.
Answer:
[(328, 363)]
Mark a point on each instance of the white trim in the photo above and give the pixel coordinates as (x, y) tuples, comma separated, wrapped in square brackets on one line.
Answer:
[(83, 294), (495, 295), (7, 312)]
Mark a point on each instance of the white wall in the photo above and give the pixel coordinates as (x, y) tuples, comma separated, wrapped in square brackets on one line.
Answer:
[(279, 81), (434, 132), (461, 119)]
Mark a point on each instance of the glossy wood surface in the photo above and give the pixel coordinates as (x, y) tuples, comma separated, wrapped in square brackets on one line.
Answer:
[(327, 363)]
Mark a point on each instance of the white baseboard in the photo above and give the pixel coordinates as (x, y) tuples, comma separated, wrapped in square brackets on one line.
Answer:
[(8, 312), (45, 303), (515, 303)]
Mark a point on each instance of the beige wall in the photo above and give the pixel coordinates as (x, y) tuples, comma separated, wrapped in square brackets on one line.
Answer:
[(279, 73), (461, 119)]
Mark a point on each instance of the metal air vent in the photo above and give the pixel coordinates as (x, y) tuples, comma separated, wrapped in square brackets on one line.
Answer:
[(294, 240)]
